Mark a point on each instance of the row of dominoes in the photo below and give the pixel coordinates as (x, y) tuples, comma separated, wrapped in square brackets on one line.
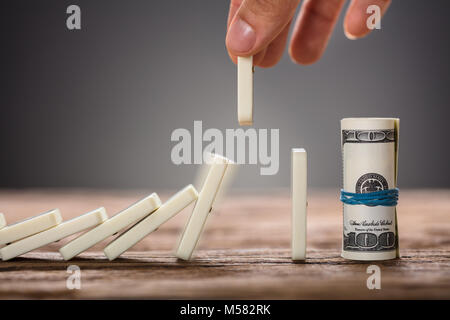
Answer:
[(145, 216)]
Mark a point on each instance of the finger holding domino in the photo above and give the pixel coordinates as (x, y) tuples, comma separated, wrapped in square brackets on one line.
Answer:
[(169, 209), (127, 217), (56, 233), (206, 197), (29, 227)]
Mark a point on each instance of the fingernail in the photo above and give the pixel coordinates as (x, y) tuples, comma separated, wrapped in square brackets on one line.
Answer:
[(241, 36), (349, 35)]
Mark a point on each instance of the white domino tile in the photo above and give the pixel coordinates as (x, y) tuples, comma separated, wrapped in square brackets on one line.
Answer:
[(202, 208), (245, 90), (228, 178), (65, 229), (29, 226), (2, 224), (129, 216), (144, 227), (2, 221), (299, 203)]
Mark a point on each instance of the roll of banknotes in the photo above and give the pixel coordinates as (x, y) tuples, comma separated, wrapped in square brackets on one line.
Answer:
[(370, 153)]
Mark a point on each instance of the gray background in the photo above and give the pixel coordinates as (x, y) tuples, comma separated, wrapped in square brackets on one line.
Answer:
[(96, 107)]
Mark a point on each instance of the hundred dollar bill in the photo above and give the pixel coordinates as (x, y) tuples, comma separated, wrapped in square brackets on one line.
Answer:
[(370, 153)]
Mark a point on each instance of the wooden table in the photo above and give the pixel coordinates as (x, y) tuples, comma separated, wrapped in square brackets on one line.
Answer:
[(244, 252)]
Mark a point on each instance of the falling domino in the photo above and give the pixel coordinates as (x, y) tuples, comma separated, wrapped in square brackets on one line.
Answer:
[(245, 90), (65, 229), (227, 180), (298, 195), (202, 208), (2, 221), (111, 226), (169, 209), (30, 226)]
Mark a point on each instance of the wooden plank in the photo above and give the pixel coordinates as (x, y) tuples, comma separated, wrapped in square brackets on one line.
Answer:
[(244, 252)]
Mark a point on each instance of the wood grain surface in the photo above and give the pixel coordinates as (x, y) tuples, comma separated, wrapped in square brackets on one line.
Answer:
[(244, 252)]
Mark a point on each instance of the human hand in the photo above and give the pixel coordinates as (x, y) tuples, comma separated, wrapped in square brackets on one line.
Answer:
[(259, 28)]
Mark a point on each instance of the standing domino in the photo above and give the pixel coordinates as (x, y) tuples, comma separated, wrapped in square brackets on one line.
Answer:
[(298, 195), (169, 209), (245, 90), (56, 233), (111, 226), (202, 208), (30, 226)]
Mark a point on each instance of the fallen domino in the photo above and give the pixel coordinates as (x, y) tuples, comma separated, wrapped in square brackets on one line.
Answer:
[(2, 221), (58, 232), (298, 198), (127, 217), (203, 206), (245, 90), (170, 208), (30, 226), (2, 224)]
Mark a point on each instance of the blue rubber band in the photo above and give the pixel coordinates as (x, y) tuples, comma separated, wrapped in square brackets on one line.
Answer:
[(386, 198)]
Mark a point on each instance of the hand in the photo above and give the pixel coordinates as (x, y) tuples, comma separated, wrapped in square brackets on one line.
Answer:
[(260, 28)]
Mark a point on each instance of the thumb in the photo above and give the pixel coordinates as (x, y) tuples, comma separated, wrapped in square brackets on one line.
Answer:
[(257, 23)]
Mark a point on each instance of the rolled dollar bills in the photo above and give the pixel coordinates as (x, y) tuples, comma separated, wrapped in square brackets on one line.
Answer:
[(370, 152)]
